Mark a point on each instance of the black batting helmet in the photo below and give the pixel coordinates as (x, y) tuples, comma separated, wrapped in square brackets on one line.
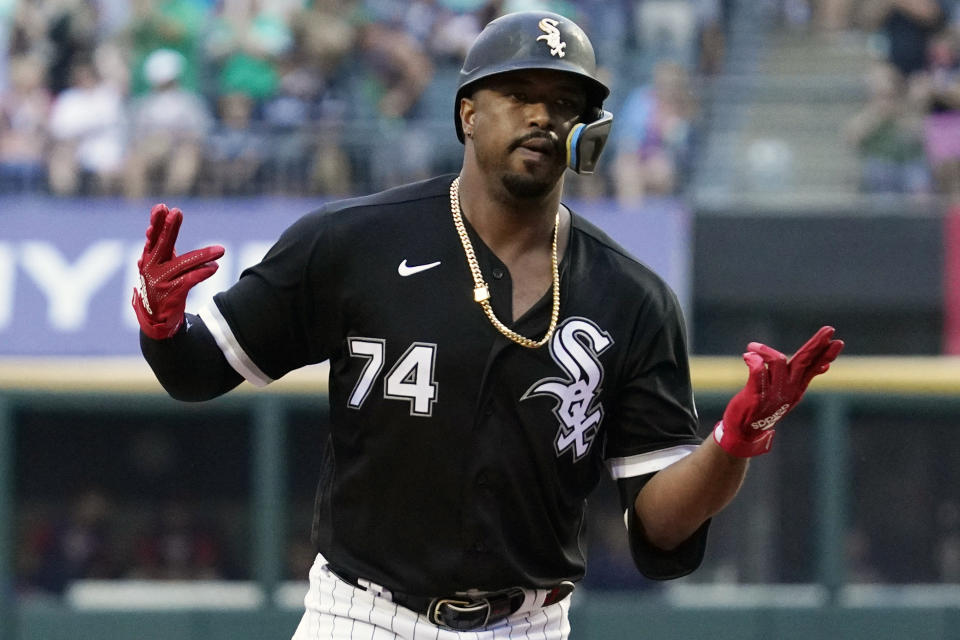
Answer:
[(533, 40)]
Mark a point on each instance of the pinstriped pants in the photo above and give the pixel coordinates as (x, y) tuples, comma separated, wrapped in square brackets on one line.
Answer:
[(337, 610)]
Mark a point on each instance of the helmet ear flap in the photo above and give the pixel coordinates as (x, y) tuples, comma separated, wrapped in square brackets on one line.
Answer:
[(586, 141)]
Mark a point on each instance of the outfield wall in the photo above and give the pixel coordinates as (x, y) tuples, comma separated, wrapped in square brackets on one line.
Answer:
[(597, 617), (833, 602)]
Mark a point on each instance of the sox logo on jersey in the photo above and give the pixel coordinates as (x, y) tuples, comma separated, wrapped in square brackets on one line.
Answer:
[(575, 347)]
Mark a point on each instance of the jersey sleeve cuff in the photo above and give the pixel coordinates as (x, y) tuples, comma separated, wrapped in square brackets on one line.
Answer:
[(232, 351), (631, 474), (647, 463)]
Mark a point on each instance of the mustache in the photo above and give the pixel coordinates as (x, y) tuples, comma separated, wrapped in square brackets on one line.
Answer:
[(549, 136)]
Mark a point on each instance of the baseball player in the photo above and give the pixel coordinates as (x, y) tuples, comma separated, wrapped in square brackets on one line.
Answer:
[(491, 355)]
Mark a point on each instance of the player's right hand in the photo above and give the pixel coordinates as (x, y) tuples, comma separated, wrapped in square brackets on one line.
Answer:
[(165, 277), (774, 387)]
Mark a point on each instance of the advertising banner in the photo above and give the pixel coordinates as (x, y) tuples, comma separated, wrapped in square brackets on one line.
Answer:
[(68, 266)]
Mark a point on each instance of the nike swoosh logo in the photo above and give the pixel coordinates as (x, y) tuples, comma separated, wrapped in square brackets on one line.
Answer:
[(405, 270)]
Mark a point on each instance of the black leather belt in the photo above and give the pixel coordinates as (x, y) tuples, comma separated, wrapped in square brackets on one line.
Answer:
[(465, 613)]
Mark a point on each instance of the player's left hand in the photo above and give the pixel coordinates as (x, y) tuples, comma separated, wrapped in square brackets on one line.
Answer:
[(165, 277), (774, 386)]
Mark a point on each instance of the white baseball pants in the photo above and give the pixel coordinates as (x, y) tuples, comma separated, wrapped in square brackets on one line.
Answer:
[(337, 610)]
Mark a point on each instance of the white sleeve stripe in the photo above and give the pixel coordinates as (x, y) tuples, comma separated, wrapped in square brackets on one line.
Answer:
[(232, 350), (644, 463)]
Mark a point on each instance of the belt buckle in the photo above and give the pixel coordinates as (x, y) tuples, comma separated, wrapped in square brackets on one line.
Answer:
[(466, 614)]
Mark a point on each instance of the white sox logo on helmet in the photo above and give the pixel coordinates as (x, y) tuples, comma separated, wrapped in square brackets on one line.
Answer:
[(575, 347), (552, 36)]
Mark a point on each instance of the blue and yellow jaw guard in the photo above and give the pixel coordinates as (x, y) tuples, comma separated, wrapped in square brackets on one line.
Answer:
[(586, 142)]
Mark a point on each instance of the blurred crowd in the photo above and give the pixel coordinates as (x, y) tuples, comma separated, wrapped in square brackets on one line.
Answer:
[(321, 97), (93, 537), (234, 97), (96, 535), (907, 134)]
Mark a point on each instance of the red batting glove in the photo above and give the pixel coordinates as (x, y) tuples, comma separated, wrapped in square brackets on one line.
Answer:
[(774, 387), (165, 277)]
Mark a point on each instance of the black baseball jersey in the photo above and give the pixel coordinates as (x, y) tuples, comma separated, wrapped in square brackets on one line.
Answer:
[(457, 458)]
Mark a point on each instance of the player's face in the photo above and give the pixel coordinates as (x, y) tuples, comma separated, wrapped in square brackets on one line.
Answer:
[(518, 123)]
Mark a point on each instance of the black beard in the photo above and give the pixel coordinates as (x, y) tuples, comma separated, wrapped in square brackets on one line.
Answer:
[(526, 187)]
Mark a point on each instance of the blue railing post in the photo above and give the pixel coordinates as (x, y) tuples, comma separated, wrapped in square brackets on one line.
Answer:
[(269, 494), (7, 578), (831, 470)]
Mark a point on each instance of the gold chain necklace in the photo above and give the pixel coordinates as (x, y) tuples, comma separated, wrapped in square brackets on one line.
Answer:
[(481, 292)]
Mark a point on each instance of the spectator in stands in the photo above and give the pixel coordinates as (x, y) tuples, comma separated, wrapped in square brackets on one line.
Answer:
[(617, 21), (323, 34), (178, 544), (398, 71), (827, 16), (28, 32), (6, 28), (305, 117), (888, 136), (937, 87), (24, 111), (168, 126), (399, 65), (835, 16), (445, 32), (57, 34), (907, 26), (654, 134), (246, 42), (177, 25), (667, 28), (79, 546), (711, 35), (86, 127), (234, 149), (71, 34), (304, 121), (111, 59)]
